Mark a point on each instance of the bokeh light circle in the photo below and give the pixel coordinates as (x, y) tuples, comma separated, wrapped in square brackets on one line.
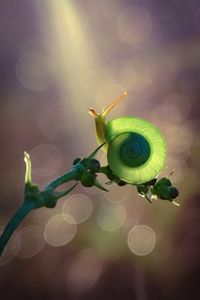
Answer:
[(111, 217), (32, 241), (11, 249), (46, 160), (141, 240), (35, 71), (60, 230), (78, 206), (134, 25)]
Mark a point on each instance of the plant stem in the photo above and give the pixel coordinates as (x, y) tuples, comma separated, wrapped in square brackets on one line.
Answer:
[(36, 199), (62, 179), (18, 217), (27, 206)]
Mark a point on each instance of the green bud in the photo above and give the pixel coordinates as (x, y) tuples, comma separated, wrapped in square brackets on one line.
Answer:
[(94, 165), (174, 192), (163, 182), (88, 179), (167, 193)]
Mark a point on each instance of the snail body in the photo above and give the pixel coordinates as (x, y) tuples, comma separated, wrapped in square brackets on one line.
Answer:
[(136, 150)]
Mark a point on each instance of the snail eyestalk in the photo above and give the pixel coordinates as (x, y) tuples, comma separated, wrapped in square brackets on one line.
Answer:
[(93, 113), (100, 120), (113, 104), (106, 110)]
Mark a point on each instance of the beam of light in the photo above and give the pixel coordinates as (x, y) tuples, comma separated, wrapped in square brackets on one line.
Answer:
[(78, 66)]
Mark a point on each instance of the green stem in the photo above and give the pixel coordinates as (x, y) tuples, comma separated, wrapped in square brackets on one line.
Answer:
[(103, 170), (36, 199), (18, 217), (62, 179)]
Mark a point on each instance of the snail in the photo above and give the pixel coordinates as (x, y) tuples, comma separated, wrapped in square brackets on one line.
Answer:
[(136, 150)]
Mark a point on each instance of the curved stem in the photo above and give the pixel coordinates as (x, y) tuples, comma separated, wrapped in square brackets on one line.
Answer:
[(62, 179), (18, 217), (34, 198)]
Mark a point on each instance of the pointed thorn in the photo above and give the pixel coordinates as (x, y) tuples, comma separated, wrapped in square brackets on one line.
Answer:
[(145, 196), (175, 203), (98, 185), (149, 200), (172, 172), (64, 193)]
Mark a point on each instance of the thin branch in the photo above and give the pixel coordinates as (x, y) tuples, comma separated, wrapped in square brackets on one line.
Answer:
[(60, 180), (18, 217)]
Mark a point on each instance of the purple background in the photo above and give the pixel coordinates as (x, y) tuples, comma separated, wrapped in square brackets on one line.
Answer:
[(86, 60)]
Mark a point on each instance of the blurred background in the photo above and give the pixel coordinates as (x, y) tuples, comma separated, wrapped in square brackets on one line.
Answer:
[(57, 59)]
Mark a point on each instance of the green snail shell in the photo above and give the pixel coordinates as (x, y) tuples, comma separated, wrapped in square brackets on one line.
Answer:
[(136, 149)]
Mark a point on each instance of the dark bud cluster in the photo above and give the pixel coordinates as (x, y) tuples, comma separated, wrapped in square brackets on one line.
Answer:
[(88, 178), (88, 169), (158, 188), (164, 189)]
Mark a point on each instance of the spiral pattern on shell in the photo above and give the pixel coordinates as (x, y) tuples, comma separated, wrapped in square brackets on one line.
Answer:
[(136, 149)]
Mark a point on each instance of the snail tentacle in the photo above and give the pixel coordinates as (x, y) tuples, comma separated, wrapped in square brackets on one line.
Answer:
[(100, 122)]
